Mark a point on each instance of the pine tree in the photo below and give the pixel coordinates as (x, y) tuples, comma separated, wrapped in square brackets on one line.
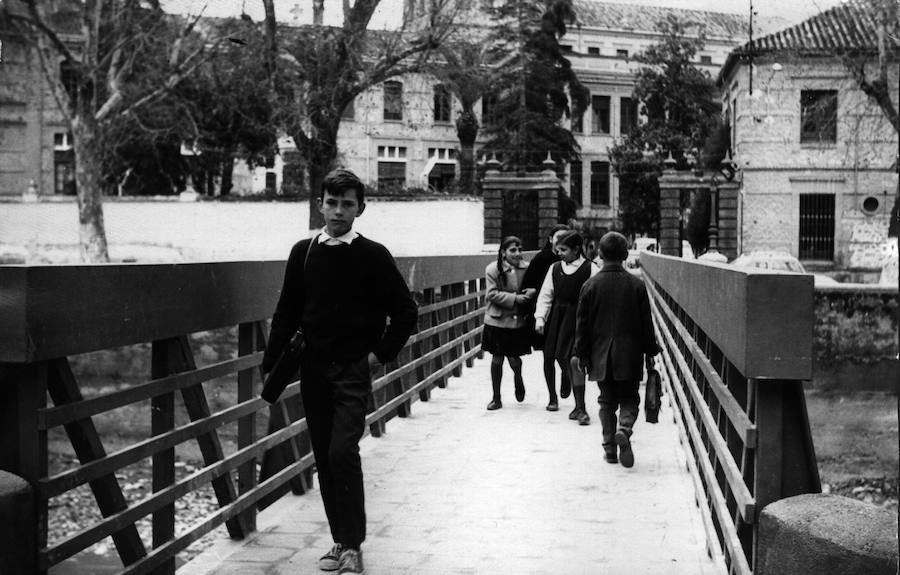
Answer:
[(538, 88)]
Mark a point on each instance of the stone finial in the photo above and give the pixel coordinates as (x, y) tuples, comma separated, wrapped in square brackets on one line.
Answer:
[(493, 164), (548, 163), (669, 162)]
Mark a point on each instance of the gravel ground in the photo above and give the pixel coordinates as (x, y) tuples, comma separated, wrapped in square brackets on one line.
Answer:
[(77, 509)]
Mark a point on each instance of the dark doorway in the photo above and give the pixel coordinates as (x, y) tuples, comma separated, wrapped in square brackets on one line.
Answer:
[(520, 217)]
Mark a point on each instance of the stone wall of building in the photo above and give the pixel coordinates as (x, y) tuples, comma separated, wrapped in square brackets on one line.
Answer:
[(777, 168)]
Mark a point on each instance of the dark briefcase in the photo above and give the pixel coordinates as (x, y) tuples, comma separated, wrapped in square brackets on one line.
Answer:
[(652, 396), (285, 368)]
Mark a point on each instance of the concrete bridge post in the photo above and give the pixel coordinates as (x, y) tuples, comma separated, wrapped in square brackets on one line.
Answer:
[(17, 520)]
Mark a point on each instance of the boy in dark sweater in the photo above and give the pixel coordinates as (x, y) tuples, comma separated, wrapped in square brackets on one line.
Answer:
[(342, 288)]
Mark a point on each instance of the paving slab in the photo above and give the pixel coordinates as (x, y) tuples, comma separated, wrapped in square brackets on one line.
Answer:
[(455, 489)]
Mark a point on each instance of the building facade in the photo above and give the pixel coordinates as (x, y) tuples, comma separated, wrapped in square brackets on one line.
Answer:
[(402, 132), (35, 148), (817, 156)]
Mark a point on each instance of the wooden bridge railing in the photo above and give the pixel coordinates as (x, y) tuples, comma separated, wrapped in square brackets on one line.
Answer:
[(737, 346), (50, 313)]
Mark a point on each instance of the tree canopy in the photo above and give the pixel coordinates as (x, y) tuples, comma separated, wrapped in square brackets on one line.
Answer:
[(680, 110), (538, 88)]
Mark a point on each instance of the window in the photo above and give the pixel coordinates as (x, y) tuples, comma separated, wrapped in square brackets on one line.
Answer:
[(627, 115), (600, 114), (64, 175), (63, 164), (818, 116), (393, 100), (599, 183), (593, 51), (488, 109), (391, 176), (349, 111), (621, 53), (565, 47), (391, 168), (578, 123), (576, 181), (441, 103), (706, 59), (817, 227), (62, 141)]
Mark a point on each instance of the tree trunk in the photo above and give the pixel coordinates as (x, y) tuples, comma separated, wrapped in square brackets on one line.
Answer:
[(318, 12), (91, 230), (467, 132), (322, 152), (227, 171), (317, 174)]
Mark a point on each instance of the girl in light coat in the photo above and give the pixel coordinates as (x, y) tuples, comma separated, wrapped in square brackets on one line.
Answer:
[(506, 333)]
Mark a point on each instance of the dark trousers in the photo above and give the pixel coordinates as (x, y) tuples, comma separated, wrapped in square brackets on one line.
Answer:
[(621, 395), (335, 396)]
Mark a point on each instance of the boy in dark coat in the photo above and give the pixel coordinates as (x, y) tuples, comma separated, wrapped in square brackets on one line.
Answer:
[(341, 288), (613, 334)]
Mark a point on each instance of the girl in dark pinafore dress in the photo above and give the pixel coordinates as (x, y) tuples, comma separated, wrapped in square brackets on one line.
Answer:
[(555, 312)]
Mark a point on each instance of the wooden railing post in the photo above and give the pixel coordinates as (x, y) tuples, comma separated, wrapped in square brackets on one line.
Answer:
[(421, 347), (88, 447), (23, 453), (471, 305), (162, 420), (457, 290), (248, 342)]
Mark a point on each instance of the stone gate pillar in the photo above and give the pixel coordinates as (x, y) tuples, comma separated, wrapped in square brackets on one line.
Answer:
[(673, 185), (525, 205)]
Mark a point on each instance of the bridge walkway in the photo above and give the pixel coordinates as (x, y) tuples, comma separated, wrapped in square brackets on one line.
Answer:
[(455, 489)]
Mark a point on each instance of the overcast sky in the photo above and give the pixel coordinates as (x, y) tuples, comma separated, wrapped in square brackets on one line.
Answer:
[(793, 11)]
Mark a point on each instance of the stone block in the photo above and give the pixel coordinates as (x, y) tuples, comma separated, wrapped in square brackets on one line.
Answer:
[(819, 534), (18, 528)]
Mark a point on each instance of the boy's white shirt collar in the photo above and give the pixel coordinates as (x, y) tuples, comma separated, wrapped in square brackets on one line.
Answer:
[(344, 239)]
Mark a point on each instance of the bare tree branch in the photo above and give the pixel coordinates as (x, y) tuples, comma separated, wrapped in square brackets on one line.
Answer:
[(59, 95), (181, 71), (35, 19)]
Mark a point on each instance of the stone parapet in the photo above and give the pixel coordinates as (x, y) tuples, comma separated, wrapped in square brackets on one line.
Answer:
[(819, 534)]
